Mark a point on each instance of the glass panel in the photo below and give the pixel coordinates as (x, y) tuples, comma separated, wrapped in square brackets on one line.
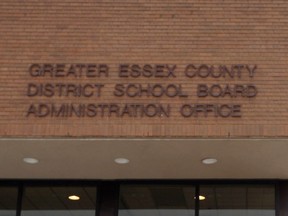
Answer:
[(54, 201), (156, 200), (8, 201), (238, 200)]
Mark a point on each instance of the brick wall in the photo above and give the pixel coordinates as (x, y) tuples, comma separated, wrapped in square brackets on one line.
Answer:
[(182, 32)]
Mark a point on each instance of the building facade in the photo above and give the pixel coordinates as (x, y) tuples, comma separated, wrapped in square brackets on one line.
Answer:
[(144, 107)]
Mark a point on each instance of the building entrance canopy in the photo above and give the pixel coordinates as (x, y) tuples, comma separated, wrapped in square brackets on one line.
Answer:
[(147, 158)]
